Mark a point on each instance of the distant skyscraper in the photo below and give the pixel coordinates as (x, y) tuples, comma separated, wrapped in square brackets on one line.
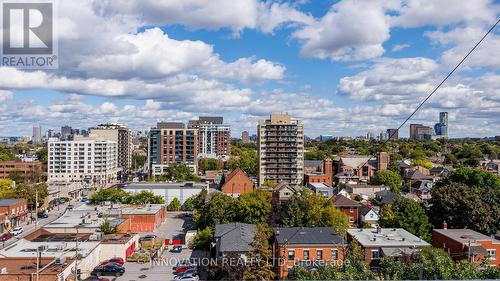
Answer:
[(393, 134), (66, 132), (245, 136), (280, 147), (441, 128), (37, 135)]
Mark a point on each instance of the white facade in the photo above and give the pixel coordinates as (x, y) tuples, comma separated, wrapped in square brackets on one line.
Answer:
[(85, 160), (214, 140), (168, 191)]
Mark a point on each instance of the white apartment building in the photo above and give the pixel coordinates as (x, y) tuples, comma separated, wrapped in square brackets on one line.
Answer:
[(84, 160)]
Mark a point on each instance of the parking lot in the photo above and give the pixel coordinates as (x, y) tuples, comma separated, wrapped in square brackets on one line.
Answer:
[(162, 268)]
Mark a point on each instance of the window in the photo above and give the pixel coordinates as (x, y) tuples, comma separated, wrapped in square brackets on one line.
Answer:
[(306, 255), (351, 210), (291, 255), (335, 255), (375, 254), (492, 254), (319, 254)]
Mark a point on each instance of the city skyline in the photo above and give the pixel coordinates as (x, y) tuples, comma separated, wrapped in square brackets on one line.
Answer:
[(344, 68)]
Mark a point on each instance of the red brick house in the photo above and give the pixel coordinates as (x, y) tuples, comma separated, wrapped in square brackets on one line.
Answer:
[(325, 177), (12, 212), (467, 244), (360, 167), (236, 183), (306, 246), (349, 207)]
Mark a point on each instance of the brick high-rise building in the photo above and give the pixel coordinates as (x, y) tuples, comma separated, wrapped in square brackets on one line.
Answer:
[(214, 137), (169, 143), (280, 145)]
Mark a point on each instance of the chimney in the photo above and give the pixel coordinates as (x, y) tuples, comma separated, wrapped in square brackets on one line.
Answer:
[(445, 225)]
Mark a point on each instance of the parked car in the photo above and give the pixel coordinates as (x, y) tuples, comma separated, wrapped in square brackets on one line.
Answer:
[(16, 231), (184, 262), (191, 270), (43, 215), (148, 237), (6, 236), (84, 199), (110, 269), (117, 260), (183, 268), (176, 249), (95, 278), (187, 277), (70, 207)]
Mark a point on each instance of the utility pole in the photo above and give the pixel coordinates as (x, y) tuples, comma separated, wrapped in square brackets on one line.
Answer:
[(468, 248), (36, 207)]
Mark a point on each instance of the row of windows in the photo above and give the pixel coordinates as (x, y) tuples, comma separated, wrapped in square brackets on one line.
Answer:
[(306, 255)]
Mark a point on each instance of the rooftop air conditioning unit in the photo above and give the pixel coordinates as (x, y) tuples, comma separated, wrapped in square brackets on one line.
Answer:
[(61, 260)]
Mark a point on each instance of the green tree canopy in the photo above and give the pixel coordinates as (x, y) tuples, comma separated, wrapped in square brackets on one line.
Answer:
[(174, 205), (388, 178), (408, 214), (468, 198)]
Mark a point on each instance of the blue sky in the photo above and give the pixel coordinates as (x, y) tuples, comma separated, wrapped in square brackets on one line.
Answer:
[(344, 67)]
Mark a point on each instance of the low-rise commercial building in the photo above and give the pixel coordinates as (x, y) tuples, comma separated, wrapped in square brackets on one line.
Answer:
[(12, 213), (29, 171), (306, 246), (146, 218), (467, 244), (168, 191), (382, 242), (24, 269)]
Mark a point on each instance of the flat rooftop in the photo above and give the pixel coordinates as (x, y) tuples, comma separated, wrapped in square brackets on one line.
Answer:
[(386, 237), (81, 217), (165, 185), (117, 238), (28, 249), (26, 266), (465, 235), (149, 209)]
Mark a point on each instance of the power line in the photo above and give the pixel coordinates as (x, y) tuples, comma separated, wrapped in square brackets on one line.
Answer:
[(436, 88)]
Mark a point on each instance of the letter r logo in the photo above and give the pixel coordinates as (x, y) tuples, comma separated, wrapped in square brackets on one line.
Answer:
[(27, 28)]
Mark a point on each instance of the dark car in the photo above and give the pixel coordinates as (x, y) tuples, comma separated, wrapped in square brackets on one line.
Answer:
[(70, 207), (4, 237), (43, 215), (110, 269), (119, 261), (176, 249), (95, 278)]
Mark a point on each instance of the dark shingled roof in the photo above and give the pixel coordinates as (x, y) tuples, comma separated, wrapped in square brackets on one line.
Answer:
[(365, 210), (341, 201), (235, 237), (306, 236)]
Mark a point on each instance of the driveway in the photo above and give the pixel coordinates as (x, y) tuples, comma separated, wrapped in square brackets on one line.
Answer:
[(162, 269)]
